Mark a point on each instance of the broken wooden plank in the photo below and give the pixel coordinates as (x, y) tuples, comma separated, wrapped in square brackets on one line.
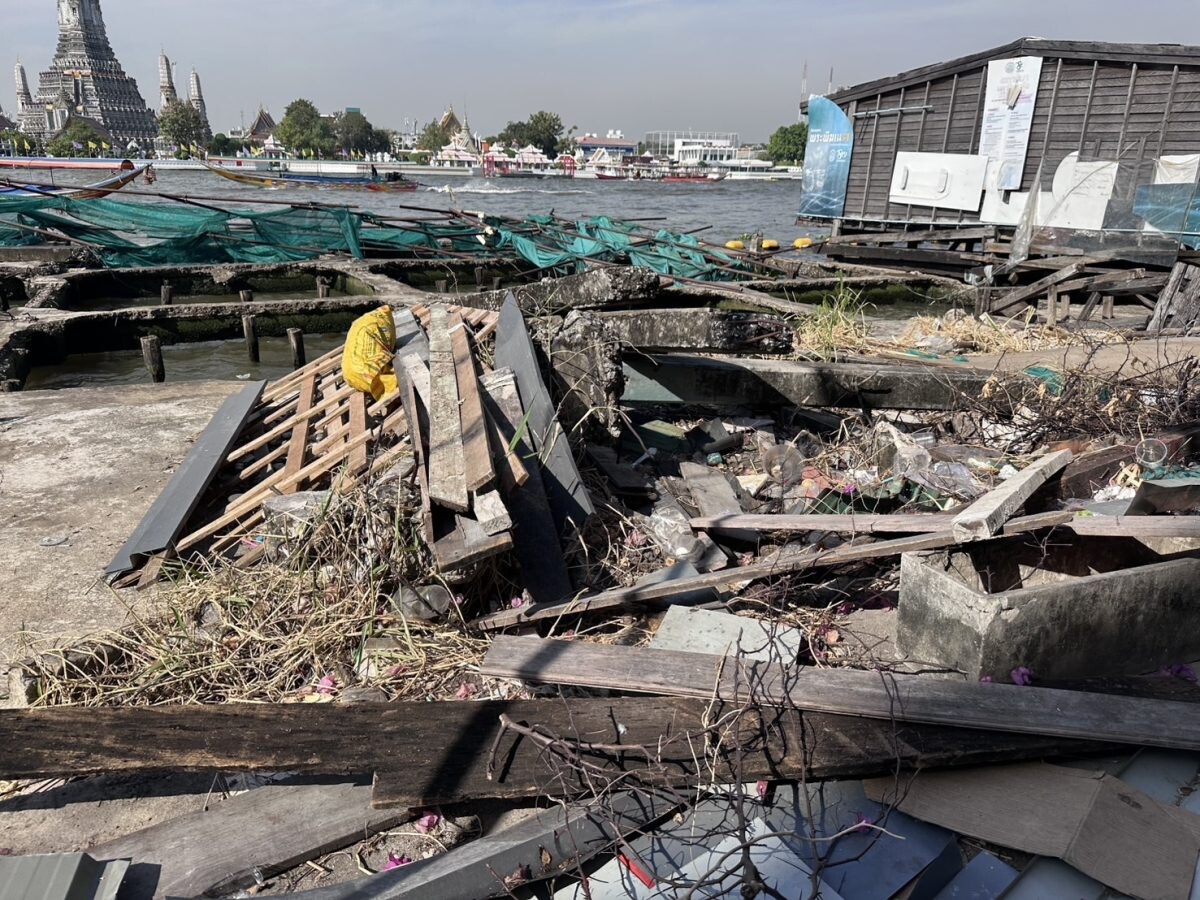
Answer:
[(714, 497), (552, 843), (905, 698), (784, 565), (447, 463), (246, 838), (477, 454), (169, 513), (357, 461), (987, 515), (460, 541), (426, 754), (301, 431), (534, 534), (565, 491), (1037, 289), (926, 523), (848, 523), (490, 512)]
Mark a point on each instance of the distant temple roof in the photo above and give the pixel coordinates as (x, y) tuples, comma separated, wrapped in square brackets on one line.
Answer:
[(450, 121), (262, 127)]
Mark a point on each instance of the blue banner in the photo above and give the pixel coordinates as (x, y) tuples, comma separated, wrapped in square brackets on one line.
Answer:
[(826, 160)]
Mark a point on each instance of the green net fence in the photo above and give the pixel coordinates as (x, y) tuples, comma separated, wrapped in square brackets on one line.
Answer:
[(133, 234)]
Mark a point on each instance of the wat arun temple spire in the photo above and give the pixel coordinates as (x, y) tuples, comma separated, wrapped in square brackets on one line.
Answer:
[(86, 80)]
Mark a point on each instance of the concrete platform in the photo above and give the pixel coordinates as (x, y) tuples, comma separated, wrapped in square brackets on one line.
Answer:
[(78, 470)]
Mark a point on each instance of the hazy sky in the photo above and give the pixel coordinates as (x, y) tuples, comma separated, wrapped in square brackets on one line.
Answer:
[(634, 65)]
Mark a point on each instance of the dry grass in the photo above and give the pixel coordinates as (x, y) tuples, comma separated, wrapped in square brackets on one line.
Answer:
[(273, 632), (988, 334), (838, 326)]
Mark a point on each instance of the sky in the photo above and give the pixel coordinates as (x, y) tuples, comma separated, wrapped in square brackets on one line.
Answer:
[(631, 65)]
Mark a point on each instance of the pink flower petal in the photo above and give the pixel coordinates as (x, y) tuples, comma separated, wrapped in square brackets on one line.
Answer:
[(1021, 675), (466, 691), (395, 862), (517, 602), (762, 788), (327, 685), (862, 824), (428, 822)]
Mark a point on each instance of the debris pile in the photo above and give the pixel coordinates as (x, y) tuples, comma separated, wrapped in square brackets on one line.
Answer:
[(706, 623)]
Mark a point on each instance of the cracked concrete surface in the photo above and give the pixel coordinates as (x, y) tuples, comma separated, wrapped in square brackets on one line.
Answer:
[(78, 470)]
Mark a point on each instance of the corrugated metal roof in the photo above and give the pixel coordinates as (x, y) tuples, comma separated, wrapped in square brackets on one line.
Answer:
[(66, 876)]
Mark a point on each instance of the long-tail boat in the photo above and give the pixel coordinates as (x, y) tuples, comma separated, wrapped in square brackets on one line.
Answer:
[(23, 189), (386, 185)]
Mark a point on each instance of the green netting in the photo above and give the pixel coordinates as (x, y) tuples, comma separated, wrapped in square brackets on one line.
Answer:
[(131, 234)]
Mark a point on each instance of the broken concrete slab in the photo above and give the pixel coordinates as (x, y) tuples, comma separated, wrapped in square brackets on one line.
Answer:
[(1099, 606), (728, 383), (702, 329), (706, 631)]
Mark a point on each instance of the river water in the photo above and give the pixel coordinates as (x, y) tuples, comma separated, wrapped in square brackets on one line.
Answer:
[(724, 210)]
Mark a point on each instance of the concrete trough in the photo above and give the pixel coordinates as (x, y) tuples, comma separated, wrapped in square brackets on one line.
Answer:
[(1094, 606)]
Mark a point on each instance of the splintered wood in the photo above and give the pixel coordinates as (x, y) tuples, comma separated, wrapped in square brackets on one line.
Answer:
[(312, 431)]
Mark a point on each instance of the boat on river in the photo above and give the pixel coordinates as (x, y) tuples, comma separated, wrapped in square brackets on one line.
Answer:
[(25, 190), (66, 162), (392, 183)]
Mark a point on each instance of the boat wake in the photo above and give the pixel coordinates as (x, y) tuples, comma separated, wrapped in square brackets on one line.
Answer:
[(491, 189)]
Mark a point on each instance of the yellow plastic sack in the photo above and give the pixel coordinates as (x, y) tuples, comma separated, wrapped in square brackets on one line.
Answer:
[(367, 359)]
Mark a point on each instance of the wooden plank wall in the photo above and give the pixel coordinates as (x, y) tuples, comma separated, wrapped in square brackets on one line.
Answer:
[(1107, 109)]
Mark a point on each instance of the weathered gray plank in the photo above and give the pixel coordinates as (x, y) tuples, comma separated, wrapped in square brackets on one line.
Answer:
[(164, 521), (447, 464), (987, 515), (565, 491), (993, 707), (267, 830)]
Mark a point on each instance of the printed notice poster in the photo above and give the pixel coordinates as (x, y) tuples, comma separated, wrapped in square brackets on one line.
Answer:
[(1012, 88), (826, 160)]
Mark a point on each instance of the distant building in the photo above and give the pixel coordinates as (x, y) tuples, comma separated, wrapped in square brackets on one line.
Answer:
[(24, 100), (196, 98), (450, 121), (86, 81), (700, 146), (166, 83), (259, 132), (614, 142)]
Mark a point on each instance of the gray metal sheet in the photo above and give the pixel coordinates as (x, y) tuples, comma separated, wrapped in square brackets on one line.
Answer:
[(569, 500), (165, 519), (67, 876)]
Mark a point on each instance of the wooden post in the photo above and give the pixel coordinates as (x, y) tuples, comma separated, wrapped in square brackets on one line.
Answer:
[(479, 276), (440, 284), (1065, 313), (166, 293), (1106, 307), (246, 296), (251, 334), (322, 289), (496, 283), (296, 339), (1052, 305), (152, 357)]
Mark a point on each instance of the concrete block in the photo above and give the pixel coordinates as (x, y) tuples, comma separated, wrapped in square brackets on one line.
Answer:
[(1098, 606)]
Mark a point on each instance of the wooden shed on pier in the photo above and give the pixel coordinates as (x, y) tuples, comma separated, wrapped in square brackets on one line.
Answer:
[(1102, 137)]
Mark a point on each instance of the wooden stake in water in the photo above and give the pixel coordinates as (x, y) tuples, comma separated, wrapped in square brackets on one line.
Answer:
[(167, 293), (479, 276), (322, 289), (246, 296), (296, 339), (152, 357), (440, 284), (250, 331)]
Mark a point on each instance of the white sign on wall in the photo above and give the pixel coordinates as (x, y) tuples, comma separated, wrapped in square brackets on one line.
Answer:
[(1012, 88), (942, 180)]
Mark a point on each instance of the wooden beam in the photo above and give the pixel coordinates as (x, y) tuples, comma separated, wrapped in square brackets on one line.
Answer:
[(246, 838), (776, 565), (447, 462), (987, 515), (1037, 289), (298, 443), (476, 453), (873, 694), (425, 754)]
